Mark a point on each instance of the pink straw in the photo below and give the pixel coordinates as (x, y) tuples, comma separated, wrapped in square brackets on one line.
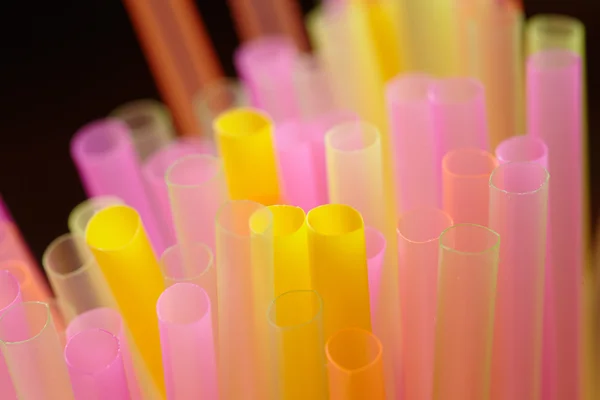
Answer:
[(523, 148), (9, 294), (4, 211), (376, 247), (104, 155), (95, 365), (188, 347)]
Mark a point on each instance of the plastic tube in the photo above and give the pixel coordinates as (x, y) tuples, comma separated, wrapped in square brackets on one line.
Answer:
[(245, 141), (95, 364), (76, 279), (355, 365), (376, 246), (468, 266), (418, 241), (84, 211), (555, 31), (312, 86), (10, 294), (523, 148), (4, 211), (465, 178), (154, 172), (110, 320), (355, 170), (296, 322), (518, 213), (186, 336), (150, 124), (33, 352), (30, 289), (103, 150), (197, 189), (266, 66), (459, 115), (119, 243), (554, 82), (413, 142), (245, 281), (337, 250)]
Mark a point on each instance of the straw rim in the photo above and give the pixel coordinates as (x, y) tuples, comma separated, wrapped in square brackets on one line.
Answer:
[(266, 122), (421, 211), (367, 130), (473, 152), (228, 205), (21, 273), (177, 247), (24, 304), (135, 234), (475, 91), (90, 205), (15, 285), (114, 357), (288, 210), (532, 164), (317, 313), (540, 148), (360, 224), (488, 231), (168, 294), (381, 242), (120, 140), (210, 160), (86, 259), (410, 88), (539, 24), (89, 320), (363, 368)]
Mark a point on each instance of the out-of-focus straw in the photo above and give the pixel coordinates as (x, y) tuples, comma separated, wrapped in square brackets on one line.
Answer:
[(178, 51), (376, 249), (312, 87), (521, 149), (10, 294), (84, 211), (4, 211)]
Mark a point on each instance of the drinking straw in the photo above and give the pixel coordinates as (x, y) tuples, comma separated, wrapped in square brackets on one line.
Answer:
[(76, 279), (150, 125), (102, 151), (337, 250), (217, 97), (110, 320), (4, 211), (197, 189), (555, 31), (418, 241), (413, 142), (376, 245), (554, 83), (464, 323), (154, 171), (312, 86), (465, 179), (522, 148), (245, 141), (245, 282), (459, 115), (186, 337), (296, 323), (355, 170), (178, 51), (355, 365), (33, 352), (266, 66), (95, 364), (10, 294), (198, 268), (119, 243), (518, 213), (84, 211)]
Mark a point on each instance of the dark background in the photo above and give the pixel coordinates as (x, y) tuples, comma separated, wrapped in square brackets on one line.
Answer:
[(65, 63)]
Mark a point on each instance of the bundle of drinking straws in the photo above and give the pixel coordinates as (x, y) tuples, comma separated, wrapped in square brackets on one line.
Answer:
[(400, 214)]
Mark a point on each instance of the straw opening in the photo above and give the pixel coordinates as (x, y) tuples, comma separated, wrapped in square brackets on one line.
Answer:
[(31, 318), (456, 90), (101, 233), (97, 318), (354, 350), (234, 217), (411, 88), (353, 136), (334, 220), (175, 268), (423, 225), (295, 309), (10, 290), (103, 138), (287, 220), (193, 171), (183, 304), (19, 270), (82, 213), (521, 149), (469, 163), (67, 256), (469, 239), (242, 122), (92, 351), (375, 242), (519, 178)]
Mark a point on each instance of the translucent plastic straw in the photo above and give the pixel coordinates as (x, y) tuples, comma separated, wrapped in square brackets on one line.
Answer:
[(355, 365), (312, 86), (197, 189), (465, 180), (150, 124), (518, 213), (296, 322), (110, 320), (464, 327), (459, 115), (84, 211), (245, 141), (154, 171), (103, 150), (245, 282), (119, 243), (554, 82), (9, 294), (418, 241), (523, 148), (413, 142), (33, 352), (95, 365), (76, 279), (266, 66), (355, 170), (188, 348), (178, 51), (337, 250), (555, 31), (376, 246)]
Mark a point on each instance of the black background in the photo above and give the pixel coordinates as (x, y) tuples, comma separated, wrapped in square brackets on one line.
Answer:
[(65, 63)]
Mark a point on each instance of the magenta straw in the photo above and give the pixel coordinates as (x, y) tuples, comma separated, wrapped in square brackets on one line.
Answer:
[(188, 347), (4, 211), (107, 163), (154, 171), (554, 114), (417, 180), (109, 320), (376, 246), (266, 66), (523, 148), (10, 294), (95, 364)]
